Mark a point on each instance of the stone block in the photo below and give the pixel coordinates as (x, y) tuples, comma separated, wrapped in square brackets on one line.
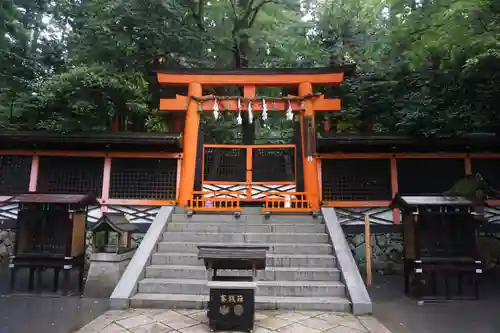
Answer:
[(104, 273)]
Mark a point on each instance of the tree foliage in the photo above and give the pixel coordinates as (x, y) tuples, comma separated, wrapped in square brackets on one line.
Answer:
[(424, 67)]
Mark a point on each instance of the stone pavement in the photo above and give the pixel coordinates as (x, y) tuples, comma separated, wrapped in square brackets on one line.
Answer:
[(194, 321)]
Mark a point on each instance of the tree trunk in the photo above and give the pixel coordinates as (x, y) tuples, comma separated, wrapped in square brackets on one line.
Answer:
[(242, 52)]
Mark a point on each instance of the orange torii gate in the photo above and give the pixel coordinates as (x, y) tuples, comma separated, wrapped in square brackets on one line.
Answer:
[(306, 104)]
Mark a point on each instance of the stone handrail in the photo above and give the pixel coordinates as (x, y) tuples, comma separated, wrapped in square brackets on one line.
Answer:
[(356, 289), (127, 286)]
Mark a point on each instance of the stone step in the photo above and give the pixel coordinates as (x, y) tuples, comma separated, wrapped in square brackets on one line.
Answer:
[(278, 248), (244, 227), (270, 274), (265, 288), (238, 237), (272, 260), (180, 301), (252, 219)]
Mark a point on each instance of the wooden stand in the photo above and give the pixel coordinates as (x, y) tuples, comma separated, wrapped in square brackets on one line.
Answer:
[(439, 247), (50, 235), (232, 298)]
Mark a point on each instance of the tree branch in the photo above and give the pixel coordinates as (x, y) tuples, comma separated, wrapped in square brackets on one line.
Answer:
[(197, 14), (255, 11)]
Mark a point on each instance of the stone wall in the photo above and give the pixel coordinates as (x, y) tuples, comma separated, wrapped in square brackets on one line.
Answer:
[(7, 237), (387, 251)]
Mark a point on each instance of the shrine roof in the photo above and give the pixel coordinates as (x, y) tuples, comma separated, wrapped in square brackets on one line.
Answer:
[(42, 198), (387, 143), (115, 221), (117, 141), (430, 200)]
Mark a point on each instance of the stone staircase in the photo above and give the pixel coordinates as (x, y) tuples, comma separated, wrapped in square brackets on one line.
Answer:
[(301, 270)]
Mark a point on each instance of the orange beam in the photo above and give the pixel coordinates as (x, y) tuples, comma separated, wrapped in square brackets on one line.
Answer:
[(179, 103), (485, 155), (247, 146), (250, 79), (251, 183), (348, 204), (431, 155), (249, 92), (353, 156), (74, 153), (134, 202), (399, 155)]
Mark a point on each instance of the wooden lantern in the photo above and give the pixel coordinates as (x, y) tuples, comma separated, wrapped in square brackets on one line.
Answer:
[(50, 234)]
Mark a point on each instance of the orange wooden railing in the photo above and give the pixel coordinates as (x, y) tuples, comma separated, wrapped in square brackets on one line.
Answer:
[(293, 202), (215, 201)]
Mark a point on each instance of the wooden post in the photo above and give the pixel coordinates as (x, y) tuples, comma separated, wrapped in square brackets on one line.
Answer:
[(190, 140), (394, 187), (35, 166), (468, 165), (368, 251), (106, 181), (310, 163)]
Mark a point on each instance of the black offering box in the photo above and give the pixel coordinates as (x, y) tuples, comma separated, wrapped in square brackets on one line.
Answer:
[(50, 235), (232, 297)]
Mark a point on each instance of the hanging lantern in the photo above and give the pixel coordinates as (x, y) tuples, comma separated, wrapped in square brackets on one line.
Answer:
[(216, 109), (289, 111), (200, 107), (250, 113), (326, 125), (264, 110), (239, 120)]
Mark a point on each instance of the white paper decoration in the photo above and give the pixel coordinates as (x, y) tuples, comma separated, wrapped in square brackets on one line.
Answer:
[(289, 112), (216, 109), (239, 120), (250, 112), (264, 110)]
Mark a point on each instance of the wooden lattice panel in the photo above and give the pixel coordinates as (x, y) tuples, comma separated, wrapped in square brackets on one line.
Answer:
[(356, 179), (70, 175), (273, 164), (143, 178), (427, 176), (14, 174), (224, 164)]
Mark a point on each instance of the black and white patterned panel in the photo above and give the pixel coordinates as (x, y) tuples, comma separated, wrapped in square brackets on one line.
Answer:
[(356, 215), (492, 213), (135, 214), (8, 210), (224, 188), (259, 190)]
